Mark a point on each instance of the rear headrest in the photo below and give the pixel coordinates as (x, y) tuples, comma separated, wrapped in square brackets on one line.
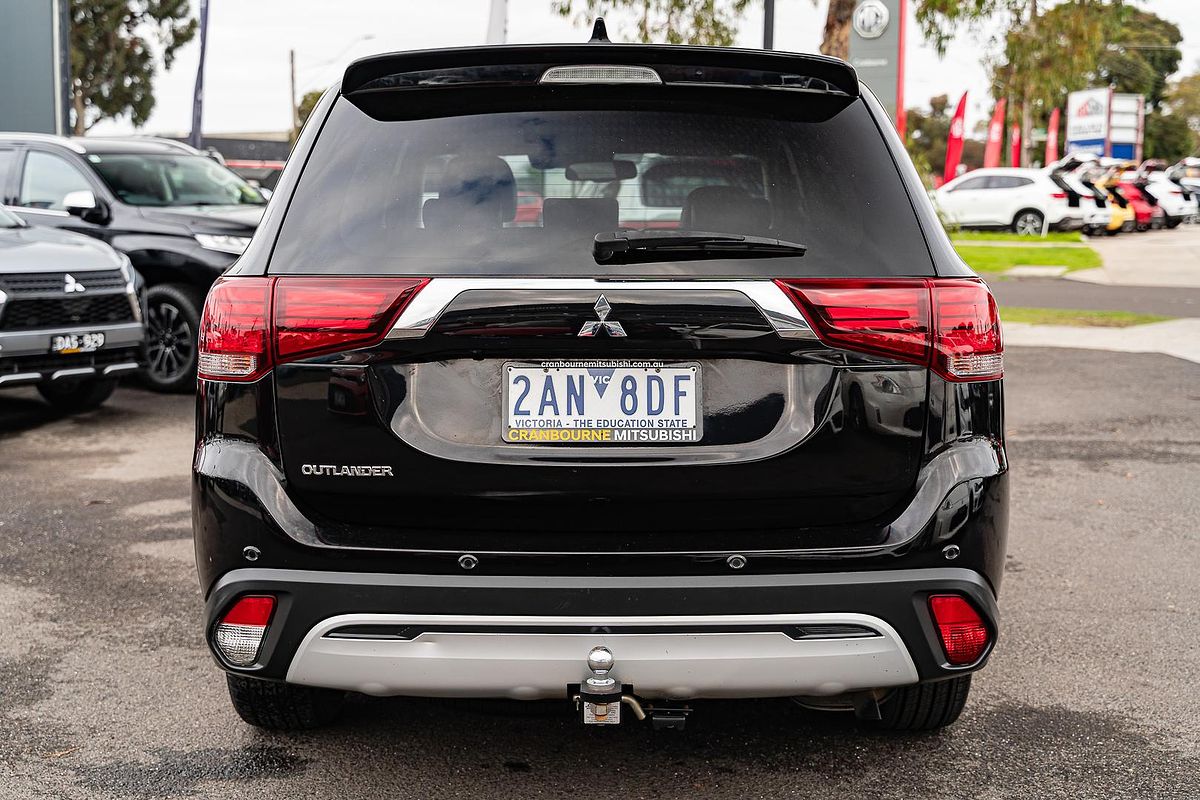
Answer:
[(480, 187), (580, 216), (725, 209)]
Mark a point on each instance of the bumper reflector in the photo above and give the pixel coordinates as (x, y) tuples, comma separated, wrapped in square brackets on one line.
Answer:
[(962, 631), (240, 632)]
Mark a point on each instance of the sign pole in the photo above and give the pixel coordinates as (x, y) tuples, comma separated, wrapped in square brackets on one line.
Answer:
[(196, 138)]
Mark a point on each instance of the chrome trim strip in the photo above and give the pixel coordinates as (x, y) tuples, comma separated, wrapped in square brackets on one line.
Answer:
[(20, 377), (120, 369), (429, 304), (74, 372)]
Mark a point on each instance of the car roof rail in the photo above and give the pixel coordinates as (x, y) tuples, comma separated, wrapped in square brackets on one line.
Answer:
[(48, 138)]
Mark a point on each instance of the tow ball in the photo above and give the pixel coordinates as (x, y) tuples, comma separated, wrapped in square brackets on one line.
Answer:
[(601, 696)]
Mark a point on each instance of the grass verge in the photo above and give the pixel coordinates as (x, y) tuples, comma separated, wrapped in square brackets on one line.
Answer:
[(1002, 236), (997, 259), (1083, 318)]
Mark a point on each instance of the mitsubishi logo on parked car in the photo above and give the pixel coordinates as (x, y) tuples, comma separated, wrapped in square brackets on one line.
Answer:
[(70, 285), (603, 309)]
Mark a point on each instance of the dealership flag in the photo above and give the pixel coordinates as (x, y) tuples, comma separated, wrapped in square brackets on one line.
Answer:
[(1014, 156), (954, 144), (995, 140), (1052, 138)]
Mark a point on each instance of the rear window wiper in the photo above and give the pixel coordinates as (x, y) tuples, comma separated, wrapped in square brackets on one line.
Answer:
[(639, 247)]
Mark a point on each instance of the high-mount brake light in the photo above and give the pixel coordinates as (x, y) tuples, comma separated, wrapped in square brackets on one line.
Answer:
[(600, 73), (240, 632), (963, 632), (251, 324), (948, 324)]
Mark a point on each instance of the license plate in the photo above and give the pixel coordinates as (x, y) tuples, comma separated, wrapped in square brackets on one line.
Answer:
[(602, 403), (69, 343)]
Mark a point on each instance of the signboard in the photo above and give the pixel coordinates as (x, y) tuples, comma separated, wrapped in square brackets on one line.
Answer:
[(33, 58), (876, 33), (1087, 120), (1107, 124)]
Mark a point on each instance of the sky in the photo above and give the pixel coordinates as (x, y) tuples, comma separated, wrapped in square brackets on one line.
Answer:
[(246, 78)]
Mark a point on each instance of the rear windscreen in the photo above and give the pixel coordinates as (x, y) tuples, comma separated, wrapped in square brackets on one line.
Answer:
[(525, 192)]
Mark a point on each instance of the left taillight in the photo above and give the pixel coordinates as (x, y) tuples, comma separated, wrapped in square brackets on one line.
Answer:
[(234, 341), (948, 324), (251, 324), (239, 634)]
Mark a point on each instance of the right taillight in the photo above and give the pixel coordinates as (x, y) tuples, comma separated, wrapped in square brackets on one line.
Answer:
[(963, 633), (250, 324), (966, 331), (948, 324)]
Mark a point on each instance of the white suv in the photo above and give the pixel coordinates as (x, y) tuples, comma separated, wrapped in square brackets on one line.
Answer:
[(1025, 200), (1178, 203)]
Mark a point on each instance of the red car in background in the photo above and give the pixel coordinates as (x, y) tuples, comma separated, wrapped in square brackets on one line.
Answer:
[(1148, 214)]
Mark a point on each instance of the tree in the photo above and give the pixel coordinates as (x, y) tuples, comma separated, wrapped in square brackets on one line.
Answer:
[(1168, 137), (113, 55), (927, 138), (306, 106), (710, 22), (1048, 54), (1183, 100)]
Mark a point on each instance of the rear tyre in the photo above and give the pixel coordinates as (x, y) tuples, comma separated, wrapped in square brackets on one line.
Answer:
[(1028, 223), (283, 706), (77, 395), (923, 707), (172, 322)]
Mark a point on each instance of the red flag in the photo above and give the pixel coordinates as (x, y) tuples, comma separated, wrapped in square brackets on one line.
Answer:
[(954, 144), (995, 139), (1014, 156), (1052, 138)]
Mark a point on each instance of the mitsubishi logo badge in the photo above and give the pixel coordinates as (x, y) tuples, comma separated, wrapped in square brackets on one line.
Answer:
[(70, 285), (603, 309)]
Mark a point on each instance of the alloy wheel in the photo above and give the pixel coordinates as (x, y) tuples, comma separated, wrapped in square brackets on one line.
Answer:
[(1029, 224), (171, 342)]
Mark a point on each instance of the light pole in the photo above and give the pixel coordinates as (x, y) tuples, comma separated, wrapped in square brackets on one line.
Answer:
[(768, 24), (366, 37)]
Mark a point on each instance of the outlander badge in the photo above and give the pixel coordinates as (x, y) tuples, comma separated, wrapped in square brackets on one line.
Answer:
[(603, 309)]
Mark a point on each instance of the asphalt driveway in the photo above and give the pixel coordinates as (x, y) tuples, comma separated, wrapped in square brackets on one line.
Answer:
[(106, 689)]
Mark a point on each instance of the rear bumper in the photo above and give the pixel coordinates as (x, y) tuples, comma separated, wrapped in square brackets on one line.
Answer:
[(683, 637)]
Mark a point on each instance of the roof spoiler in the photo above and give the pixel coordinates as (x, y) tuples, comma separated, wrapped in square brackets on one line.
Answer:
[(834, 72)]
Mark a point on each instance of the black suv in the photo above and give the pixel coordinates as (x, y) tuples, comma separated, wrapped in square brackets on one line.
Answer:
[(756, 451), (179, 216)]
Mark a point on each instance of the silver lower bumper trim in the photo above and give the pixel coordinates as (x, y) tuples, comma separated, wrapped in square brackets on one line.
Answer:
[(121, 369), (20, 377), (74, 372), (535, 664)]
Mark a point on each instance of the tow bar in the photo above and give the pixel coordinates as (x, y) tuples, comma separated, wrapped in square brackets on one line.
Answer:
[(600, 698)]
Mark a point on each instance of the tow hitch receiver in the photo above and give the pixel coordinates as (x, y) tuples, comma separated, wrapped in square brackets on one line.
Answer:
[(600, 694)]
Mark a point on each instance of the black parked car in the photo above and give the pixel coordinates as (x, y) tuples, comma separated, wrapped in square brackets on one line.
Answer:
[(70, 315), (180, 216), (756, 454)]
